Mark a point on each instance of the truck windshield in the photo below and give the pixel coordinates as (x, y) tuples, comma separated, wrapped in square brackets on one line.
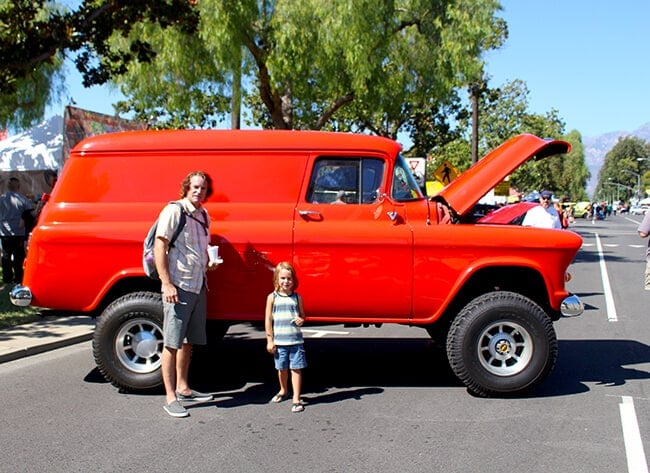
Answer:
[(404, 187)]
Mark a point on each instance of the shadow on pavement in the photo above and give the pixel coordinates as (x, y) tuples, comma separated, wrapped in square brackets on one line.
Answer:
[(240, 371)]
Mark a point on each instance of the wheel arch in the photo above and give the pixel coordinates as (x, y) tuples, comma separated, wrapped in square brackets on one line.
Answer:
[(522, 280)]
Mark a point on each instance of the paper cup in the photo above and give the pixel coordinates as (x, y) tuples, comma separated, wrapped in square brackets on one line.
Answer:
[(213, 253)]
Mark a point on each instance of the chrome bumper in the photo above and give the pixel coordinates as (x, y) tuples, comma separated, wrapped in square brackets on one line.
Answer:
[(20, 296), (572, 306)]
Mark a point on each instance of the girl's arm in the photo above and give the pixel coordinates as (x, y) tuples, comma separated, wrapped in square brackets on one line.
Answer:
[(268, 324), (301, 312)]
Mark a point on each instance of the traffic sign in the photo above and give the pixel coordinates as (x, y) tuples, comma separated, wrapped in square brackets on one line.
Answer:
[(446, 172)]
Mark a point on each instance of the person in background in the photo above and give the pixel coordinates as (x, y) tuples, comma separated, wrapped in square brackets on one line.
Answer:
[(545, 215), (50, 176), (182, 271), (644, 231), (339, 198), (284, 316), (13, 205)]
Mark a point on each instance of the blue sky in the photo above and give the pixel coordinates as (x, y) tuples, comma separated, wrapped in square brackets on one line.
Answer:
[(588, 59)]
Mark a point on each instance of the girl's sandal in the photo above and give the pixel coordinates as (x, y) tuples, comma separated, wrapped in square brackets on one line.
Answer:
[(279, 398), (298, 407)]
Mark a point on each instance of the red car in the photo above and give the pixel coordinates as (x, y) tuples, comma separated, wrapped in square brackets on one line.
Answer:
[(489, 293)]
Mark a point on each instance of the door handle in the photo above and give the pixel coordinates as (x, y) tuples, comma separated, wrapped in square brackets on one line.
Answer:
[(311, 215)]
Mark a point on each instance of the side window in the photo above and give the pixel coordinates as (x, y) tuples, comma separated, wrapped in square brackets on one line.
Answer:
[(404, 187), (345, 180)]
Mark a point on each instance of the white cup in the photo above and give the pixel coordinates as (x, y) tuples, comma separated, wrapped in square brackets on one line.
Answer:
[(213, 253)]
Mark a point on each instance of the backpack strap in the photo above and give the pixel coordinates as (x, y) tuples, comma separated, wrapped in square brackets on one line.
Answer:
[(204, 224), (181, 224)]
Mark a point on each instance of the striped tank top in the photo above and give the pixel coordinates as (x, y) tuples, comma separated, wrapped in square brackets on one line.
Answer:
[(285, 309)]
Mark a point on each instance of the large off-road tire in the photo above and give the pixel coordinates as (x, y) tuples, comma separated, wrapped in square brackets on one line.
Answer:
[(501, 344), (128, 341)]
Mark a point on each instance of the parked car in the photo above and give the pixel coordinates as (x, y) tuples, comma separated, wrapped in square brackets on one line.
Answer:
[(581, 209), (488, 293), (639, 209)]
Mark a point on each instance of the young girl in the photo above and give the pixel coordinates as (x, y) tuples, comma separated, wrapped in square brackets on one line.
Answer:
[(283, 318)]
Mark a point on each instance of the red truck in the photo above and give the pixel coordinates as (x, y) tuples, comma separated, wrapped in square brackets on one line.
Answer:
[(488, 292)]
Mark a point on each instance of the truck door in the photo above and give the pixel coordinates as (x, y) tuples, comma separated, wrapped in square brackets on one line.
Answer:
[(353, 247)]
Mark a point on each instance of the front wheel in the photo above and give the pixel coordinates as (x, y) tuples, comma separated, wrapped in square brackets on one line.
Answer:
[(128, 341), (501, 343)]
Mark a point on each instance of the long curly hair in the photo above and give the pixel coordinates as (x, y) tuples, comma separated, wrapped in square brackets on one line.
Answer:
[(185, 185)]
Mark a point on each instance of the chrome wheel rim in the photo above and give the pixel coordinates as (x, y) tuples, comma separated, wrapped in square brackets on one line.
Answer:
[(505, 348), (139, 345)]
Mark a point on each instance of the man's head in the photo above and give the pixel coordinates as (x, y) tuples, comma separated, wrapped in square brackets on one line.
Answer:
[(197, 187), (14, 184), (545, 198)]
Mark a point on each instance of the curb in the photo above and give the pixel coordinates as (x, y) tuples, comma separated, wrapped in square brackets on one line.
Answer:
[(43, 347), (41, 336)]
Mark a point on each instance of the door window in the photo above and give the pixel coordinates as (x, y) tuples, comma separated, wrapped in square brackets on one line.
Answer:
[(345, 180)]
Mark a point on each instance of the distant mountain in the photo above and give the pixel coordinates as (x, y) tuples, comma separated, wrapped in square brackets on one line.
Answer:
[(596, 147), (35, 149)]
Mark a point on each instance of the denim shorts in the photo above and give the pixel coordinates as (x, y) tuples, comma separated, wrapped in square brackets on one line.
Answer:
[(290, 357)]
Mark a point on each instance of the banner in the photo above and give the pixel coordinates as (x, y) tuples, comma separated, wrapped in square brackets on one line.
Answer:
[(80, 124)]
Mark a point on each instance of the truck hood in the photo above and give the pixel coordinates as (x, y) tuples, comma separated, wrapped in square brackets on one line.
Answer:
[(468, 188)]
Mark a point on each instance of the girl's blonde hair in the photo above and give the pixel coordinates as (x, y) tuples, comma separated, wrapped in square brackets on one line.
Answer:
[(276, 274)]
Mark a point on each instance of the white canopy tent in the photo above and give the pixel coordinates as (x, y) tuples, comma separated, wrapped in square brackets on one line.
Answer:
[(29, 154)]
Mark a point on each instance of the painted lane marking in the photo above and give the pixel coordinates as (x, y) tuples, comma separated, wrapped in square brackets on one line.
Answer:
[(607, 289), (636, 461), (322, 333)]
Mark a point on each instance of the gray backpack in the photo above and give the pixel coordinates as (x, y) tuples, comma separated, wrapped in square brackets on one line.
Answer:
[(148, 260)]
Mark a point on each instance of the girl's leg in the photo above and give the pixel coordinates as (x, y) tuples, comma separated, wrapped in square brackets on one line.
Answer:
[(296, 382), (283, 377)]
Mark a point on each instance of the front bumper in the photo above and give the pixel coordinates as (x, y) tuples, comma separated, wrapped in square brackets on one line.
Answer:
[(20, 296), (572, 306)]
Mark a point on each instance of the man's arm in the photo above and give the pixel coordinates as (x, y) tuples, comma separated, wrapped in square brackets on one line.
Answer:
[(169, 292), (644, 228)]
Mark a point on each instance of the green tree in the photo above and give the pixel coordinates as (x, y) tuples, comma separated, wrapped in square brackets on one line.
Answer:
[(37, 35), (622, 164), (362, 66)]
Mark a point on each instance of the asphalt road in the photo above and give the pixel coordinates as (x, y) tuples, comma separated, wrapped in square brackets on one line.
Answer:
[(378, 399)]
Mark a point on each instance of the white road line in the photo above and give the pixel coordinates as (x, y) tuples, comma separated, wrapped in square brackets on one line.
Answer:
[(607, 289), (322, 333), (636, 461)]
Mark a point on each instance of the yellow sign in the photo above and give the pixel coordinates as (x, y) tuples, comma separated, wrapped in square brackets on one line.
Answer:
[(502, 189), (446, 172)]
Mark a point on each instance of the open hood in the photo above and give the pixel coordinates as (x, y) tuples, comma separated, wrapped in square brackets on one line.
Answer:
[(468, 188)]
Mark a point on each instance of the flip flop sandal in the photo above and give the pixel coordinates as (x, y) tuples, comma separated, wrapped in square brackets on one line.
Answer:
[(297, 407), (279, 398)]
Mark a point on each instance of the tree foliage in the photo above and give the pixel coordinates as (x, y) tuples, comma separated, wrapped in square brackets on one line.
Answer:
[(37, 35), (628, 158), (363, 66), (504, 113)]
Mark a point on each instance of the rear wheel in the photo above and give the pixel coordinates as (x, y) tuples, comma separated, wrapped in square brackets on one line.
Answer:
[(128, 341), (501, 343)]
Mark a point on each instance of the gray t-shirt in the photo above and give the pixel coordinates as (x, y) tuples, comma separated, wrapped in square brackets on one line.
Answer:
[(644, 227), (12, 206)]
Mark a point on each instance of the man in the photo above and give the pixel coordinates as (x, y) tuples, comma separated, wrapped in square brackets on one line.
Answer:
[(182, 272), (644, 231), (545, 215), (12, 231)]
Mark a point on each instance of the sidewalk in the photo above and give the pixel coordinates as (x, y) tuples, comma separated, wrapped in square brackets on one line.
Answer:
[(43, 335)]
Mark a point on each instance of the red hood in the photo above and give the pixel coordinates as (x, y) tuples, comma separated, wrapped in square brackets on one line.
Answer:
[(468, 188)]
